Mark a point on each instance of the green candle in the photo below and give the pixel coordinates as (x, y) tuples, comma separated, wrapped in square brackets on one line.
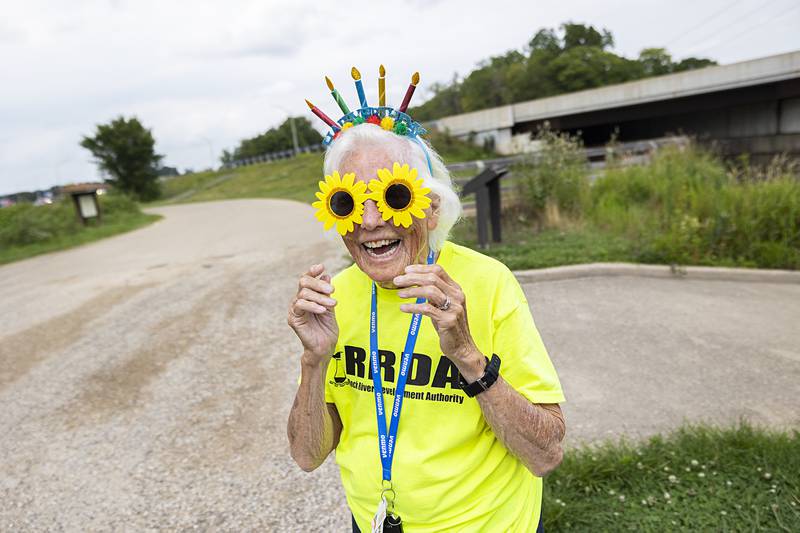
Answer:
[(337, 96)]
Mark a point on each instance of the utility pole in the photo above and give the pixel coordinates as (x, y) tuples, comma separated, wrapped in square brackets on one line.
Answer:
[(294, 135), (294, 128)]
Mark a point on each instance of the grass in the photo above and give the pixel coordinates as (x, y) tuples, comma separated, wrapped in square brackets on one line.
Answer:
[(698, 478), (293, 179), (686, 206), (27, 230), (524, 247)]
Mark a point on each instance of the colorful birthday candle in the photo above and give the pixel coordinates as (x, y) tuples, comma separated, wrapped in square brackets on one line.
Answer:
[(325, 118), (382, 86), (337, 96), (362, 98), (409, 93)]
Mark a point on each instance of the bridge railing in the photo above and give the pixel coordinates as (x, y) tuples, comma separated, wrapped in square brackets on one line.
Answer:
[(274, 156), (494, 179)]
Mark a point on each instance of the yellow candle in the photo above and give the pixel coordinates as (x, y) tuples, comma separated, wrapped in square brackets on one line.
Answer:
[(382, 86)]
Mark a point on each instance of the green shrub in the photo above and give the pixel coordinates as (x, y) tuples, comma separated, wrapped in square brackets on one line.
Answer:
[(556, 176), (25, 224), (685, 206)]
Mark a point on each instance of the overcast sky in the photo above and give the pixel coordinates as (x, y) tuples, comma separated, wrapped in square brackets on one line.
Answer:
[(203, 75)]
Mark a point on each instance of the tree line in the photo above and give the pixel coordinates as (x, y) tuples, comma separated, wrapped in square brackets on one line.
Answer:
[(553, 62), (274, 140)]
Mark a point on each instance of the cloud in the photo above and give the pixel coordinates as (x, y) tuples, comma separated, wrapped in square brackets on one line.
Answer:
[(10, 34), (203, 74)]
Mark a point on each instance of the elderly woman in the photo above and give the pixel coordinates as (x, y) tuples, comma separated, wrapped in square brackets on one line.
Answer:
[(473, 415)]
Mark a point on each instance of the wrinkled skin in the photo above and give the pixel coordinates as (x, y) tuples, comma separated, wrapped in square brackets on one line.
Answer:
[(413, 247)]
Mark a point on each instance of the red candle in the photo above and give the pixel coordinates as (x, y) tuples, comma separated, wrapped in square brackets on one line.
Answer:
[(325, 118), (409, 93)]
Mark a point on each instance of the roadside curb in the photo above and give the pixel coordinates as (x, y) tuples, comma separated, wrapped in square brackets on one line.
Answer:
[(656, 271)]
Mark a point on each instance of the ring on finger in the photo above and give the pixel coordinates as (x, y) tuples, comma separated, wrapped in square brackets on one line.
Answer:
[(446, 305)]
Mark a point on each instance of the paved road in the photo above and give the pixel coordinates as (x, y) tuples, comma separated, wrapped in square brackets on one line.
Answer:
[(637, 356), (145, 380)]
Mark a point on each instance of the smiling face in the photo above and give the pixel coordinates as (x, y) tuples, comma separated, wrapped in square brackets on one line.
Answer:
[(379, 248)]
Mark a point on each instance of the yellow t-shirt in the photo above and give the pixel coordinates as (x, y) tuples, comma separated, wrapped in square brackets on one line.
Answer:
[(450, 472)]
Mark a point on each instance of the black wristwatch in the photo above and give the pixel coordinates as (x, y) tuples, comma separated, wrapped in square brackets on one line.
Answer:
[(485, 381)]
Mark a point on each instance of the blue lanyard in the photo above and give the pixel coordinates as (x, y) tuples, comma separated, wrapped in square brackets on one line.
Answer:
[(386, 440)]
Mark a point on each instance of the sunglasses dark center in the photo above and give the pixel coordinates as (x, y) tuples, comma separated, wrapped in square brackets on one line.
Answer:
[(341, 203), (397, 196)]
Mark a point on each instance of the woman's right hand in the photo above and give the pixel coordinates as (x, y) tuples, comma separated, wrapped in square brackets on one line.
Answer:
[(312, 317)]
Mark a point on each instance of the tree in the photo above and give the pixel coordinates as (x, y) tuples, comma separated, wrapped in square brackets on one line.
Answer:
[(226, 158), (277, 139), (656, 61), (124, 150), (552, 62), (576, 35)]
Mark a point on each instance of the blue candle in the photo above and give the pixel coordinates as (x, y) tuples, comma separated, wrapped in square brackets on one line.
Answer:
[(362, 98)]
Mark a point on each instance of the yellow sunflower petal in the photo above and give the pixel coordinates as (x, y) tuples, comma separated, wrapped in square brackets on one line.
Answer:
[(324, 187), (405, 219), (413, 174), (423, 202), (397, 171), (320, 195), (417, 212), (336, 180), (384, 175), (347, 179), (359, 187), (329, 222)]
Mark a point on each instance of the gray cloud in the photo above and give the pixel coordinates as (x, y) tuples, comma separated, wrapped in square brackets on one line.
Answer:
[(205, 70)]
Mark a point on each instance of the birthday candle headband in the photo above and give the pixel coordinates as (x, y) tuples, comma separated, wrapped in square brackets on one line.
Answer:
[(386, 117), (399, 195)]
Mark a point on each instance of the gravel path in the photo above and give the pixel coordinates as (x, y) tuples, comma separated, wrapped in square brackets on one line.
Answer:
[(145, 380)]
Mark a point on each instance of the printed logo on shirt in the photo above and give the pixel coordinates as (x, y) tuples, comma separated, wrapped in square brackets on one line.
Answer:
[(422, 373)]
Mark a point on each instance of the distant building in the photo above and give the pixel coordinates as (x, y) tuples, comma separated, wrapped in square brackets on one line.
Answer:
[(749, 107)]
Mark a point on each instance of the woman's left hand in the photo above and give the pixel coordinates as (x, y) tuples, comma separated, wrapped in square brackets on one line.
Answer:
[(450, 321)]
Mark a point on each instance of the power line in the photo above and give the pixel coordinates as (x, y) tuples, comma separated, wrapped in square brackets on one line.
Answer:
[(735, 22), (751, 28), (725, 7)]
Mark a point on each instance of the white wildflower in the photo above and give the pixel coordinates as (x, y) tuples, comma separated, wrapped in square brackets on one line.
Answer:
[(694, 462), (767, 475)]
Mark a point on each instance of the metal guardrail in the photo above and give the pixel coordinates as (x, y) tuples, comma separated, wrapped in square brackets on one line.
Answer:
[(489, 189), (274, 156)]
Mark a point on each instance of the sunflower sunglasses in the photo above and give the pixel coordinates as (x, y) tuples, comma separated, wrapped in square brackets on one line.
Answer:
[(398, 194)]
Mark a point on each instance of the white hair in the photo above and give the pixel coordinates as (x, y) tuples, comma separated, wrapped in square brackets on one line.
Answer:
[(403, 150)]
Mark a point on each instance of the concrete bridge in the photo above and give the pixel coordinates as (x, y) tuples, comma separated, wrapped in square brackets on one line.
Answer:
[(751, 106)]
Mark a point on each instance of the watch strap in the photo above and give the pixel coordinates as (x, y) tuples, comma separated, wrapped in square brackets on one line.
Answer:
[(485, 381)]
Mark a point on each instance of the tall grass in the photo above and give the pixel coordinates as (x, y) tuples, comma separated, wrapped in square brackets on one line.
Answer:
[(554, 180), (685, 206), (27, 230)]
